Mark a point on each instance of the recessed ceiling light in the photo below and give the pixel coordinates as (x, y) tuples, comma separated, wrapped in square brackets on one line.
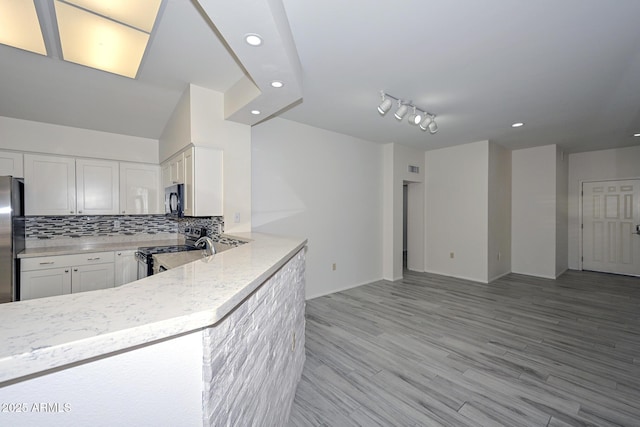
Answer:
[(517, 125), (636, 134), (253, 39), (277, 84), (255, 112)]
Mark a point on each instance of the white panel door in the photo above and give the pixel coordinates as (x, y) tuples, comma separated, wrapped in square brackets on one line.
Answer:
[(97, 187), (139, 188), (611, 214)]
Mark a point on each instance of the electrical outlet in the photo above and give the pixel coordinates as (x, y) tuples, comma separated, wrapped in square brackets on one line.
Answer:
[(499, 256), (333, 267), (451, 255), (236, 217), (116, 224)]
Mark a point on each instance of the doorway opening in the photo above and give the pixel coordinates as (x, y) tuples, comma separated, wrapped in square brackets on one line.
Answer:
[(405, 208), (413, 226)]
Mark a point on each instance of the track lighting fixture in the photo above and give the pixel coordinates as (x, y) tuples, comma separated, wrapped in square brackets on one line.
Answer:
[(385, 106), (418, 117)]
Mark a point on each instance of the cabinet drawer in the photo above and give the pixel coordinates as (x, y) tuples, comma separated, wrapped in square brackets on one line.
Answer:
[(40, 263)]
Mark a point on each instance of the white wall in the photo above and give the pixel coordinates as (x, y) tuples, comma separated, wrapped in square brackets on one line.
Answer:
[(324, 186), (158, 384), (24, 135), (456, 181), (177, 132), (199, 119), (617, 163), (499, 205), (533, 233), (562, 212), (210, 129)]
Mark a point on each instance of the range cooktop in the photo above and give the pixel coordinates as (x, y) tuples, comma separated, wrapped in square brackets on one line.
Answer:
[(151, 250)]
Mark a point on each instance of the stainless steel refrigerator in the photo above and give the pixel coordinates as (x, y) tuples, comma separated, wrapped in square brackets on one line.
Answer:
[(11, 236)]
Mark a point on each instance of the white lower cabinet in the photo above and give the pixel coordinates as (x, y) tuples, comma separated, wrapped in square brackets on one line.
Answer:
[(64, 274), (92, 277), (126, 267), (45, 283)]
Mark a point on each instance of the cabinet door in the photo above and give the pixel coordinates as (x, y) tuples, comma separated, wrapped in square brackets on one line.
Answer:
[(45, 283), (49, 185), (177, 170), (139, 189), (126, 267), (166, 174), (97, 187), (11, 164), (92, 277), (188, 198)]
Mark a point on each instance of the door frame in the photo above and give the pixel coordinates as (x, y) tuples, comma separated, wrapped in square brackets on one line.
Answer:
[(580, 219)]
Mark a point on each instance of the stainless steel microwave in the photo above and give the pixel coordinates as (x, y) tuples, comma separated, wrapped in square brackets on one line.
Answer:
[(174, 200)]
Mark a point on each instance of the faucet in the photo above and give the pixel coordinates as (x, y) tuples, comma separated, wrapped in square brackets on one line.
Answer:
[(208, 244)]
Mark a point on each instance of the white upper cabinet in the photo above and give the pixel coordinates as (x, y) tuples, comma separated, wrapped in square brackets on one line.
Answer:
[(97, 187), (139, 189), (201, 169), (166, 175), (202, 182), (50, 185), (11, 164)]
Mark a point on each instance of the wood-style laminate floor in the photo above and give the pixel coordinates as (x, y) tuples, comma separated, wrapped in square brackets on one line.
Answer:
[(431, 350)]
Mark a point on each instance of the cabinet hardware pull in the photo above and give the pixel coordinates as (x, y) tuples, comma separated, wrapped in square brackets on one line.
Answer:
[(79, 211), (122, 211), (93, 259), (75, 269), (119, 253), (66, 271), (46, 263), (70, 211)]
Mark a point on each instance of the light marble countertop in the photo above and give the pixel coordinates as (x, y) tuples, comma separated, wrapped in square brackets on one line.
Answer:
[(92, 246), (48, 333)]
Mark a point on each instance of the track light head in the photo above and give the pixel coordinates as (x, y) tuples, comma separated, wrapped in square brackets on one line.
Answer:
[(401, 111), (385, 106), (414, 118), (424, 124), (433, 127)]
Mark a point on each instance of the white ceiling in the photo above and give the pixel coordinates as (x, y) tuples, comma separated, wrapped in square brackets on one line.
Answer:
[(569, 69)]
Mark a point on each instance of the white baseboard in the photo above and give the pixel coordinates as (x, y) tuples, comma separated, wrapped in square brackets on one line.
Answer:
[(499, 276), (340, 289)]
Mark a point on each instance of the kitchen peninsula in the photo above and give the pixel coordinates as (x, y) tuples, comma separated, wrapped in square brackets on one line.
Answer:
[(215, 341)]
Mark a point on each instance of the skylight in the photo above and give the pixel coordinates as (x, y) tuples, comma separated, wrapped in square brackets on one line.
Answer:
[(107, 35)]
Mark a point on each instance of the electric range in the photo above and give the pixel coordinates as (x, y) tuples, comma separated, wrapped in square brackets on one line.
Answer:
[(145, 254)]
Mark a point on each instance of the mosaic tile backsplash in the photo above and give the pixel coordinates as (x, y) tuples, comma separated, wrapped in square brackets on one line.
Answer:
[(65, 227)]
